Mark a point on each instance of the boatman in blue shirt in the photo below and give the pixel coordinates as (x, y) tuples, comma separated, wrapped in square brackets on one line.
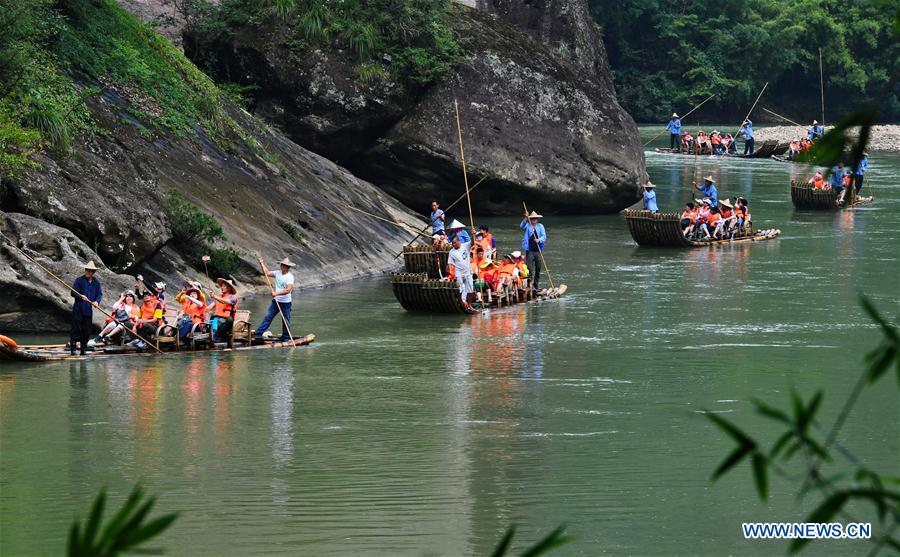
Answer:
[(86, 291), (837, 177), (816, 131), (437, 219), (458, 229), (674, 127), (709, 191), (860, 172), (533, 245), (650, 197), (747, 131)]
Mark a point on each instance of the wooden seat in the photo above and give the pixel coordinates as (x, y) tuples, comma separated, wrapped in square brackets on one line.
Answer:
[(200, 335), (166, 335), (241, 330)]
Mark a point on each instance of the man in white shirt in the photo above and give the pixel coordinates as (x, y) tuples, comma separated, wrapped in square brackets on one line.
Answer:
[(284, 285), (458, 258)]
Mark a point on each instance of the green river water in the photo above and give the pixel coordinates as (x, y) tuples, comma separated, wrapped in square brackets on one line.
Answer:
[(401, 434)]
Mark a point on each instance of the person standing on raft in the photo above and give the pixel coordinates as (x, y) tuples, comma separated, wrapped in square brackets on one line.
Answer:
[(747, 131), (674, 127), (709, 191), (533, 247), (281, 297), (87, 291), (459, 265), (650, 197)]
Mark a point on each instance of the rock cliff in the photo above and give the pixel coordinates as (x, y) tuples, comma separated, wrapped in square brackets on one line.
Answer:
[(540, 121)]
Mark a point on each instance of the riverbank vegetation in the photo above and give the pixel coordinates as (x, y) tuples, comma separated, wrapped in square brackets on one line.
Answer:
[(669, 56)]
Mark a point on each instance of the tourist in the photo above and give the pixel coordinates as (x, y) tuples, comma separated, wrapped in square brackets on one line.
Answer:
[(223, 309), (533, 243), (747, 131), (457, 228), (149, 318), (281, 298), (709, 191), (674, 127), (192, 311), (484, 243), (509, 272), (482, 275), (727, 143), (650, 198), (124, 313), (702, 218), (87, 292), (716, 141), (861, 168), (745, 210), (687, 142), (715, 223), (729, 219), (703, 144), (688, 218), (157, 290), (458, 267), (817, 181), (816, 131), (489, 238), (793, 149), (439, 239), (437, 218)]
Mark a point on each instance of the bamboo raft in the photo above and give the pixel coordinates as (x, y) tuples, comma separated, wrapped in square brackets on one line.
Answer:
[(664, 230), (767, 150), (421, 287), (57, 352), (804, 196)]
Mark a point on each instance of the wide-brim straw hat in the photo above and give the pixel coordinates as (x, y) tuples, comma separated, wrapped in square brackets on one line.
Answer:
[(516, 254), (815, 122), (89, 266), (649, 184), (230, 284), (287, 262), (535, 215), (726, 203), (675, 115), (195, 284), (455, 225), (710, 178)]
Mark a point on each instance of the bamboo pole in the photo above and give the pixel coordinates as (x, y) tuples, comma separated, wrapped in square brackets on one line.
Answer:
[(431, 223), (462, 156), (682, 119), (395, 223), (822, 86), (540, 251), (64, 283), (750, 111), (284, 320), (782, 117)]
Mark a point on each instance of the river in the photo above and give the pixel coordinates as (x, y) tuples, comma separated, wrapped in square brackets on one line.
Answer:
[(429, 435)]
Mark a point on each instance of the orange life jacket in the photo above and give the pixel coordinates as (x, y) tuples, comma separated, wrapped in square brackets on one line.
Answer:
[(225, 310), (847, 179), (819, 183), (740, 211), (192, 310), (688, 214), (506, 269), (152, 309), (703, 215), (726, 212), (714, 218)]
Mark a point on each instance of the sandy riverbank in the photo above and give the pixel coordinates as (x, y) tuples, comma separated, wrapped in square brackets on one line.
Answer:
[(883, 138)]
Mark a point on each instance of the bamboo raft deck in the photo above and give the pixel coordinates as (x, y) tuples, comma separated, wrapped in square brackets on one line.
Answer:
[(664, 230), (806, 197), (765, 151), (58, 352), (421, 288)]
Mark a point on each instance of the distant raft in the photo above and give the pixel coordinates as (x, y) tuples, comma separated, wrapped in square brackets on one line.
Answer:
[(664, 230), (421, 288), (766, 151), (806, 197)]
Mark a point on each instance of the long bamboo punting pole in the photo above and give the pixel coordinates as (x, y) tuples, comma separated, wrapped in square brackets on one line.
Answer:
[(682, 119), (284, 320), (389, 221), (540, 251), (751, 109), (462, 156), (782, 117), (430, 223), (64, 283), (822, 86)]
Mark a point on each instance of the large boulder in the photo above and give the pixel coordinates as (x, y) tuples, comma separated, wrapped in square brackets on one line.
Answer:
[(539, 123)]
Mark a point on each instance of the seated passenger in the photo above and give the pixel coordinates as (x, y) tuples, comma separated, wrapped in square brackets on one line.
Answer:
[(687, 142), (688, 218), (703, 218), (793, 149), (715, 223), (489, 239), (223, 309), (817, 181), (192, 311), (482, 275), (522, 267), (125, 312), (149, 318), (729, 219), (439, 239), (745, 206)]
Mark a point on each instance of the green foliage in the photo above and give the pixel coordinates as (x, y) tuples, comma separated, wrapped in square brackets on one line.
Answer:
[(124, 532), (553, 540), (411, 37), (239, 94), (858, 483), (223, 262), (16, 143), (189, 222), (369, 73), (666, 56)]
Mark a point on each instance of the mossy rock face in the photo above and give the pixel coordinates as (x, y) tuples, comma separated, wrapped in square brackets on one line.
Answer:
[(540, 123)]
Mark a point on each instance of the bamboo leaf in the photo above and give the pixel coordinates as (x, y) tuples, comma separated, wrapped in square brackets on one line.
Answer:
[(731, 429), (131, 525), (889, 331), (827, 481), (503, 546), (554, 539), (149, 530), (796, 404), (770, 412), (823, 513), (760, 471), (780, 444), (93, 524), (808, 413), (730, 461), (74, 546), (112, 528), (880, 361)]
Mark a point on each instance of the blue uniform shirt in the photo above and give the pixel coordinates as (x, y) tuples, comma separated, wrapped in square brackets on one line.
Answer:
[(863, 166), (815, 131), (528, 236), (837, 177), (711, 192), (650, 201), (462, 235), (747, 130), (674, 126), (91, 290), (437, 224)]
